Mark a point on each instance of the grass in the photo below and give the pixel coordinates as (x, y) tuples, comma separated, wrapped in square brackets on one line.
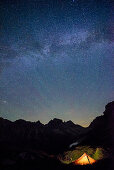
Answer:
[(70, 156)]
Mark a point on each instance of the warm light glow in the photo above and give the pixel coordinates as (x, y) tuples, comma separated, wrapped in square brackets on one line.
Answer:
[(84, 160)]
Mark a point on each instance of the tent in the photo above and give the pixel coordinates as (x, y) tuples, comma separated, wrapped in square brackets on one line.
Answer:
[(84, 160)]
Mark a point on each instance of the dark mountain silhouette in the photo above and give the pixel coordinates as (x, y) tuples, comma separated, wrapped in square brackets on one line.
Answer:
[(101, 129), (52, 137), (24, 144)]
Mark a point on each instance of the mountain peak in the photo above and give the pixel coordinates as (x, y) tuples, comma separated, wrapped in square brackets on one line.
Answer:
[(70, 123), (109, 109), (107, 117), (55, 123), (20, 121)]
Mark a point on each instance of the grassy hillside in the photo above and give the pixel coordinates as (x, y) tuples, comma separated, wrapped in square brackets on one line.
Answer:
[(70, 156)]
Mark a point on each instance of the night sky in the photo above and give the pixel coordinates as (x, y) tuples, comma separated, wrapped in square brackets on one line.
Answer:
[(56, 59)]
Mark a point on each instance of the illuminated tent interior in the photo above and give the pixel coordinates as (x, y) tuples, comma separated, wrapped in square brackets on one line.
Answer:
[(84, 160)]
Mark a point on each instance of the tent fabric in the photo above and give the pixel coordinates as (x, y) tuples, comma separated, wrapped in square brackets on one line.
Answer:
[(84, 160)]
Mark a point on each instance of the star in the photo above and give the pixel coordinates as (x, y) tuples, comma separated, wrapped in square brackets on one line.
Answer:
[(55, 59)]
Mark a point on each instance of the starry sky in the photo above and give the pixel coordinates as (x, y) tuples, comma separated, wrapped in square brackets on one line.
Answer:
[(56, 59)]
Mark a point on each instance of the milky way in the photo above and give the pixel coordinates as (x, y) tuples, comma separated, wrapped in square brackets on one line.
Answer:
[(56, 59)]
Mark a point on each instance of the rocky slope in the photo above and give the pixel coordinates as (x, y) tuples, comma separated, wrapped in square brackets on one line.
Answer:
[(101, 129), (54, 136)]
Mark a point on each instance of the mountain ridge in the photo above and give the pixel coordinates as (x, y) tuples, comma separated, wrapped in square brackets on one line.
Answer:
[(39, 122), (54, 136), (57, 135)]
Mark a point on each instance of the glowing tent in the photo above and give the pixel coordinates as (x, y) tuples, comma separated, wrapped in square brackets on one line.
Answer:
[(84, 160)]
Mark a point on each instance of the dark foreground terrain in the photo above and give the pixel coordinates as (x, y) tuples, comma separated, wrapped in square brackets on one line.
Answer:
[(34, 146), (52, 164)]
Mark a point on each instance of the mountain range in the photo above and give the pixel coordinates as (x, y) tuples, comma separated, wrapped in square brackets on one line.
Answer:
[(25, 138), (52, 137)]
